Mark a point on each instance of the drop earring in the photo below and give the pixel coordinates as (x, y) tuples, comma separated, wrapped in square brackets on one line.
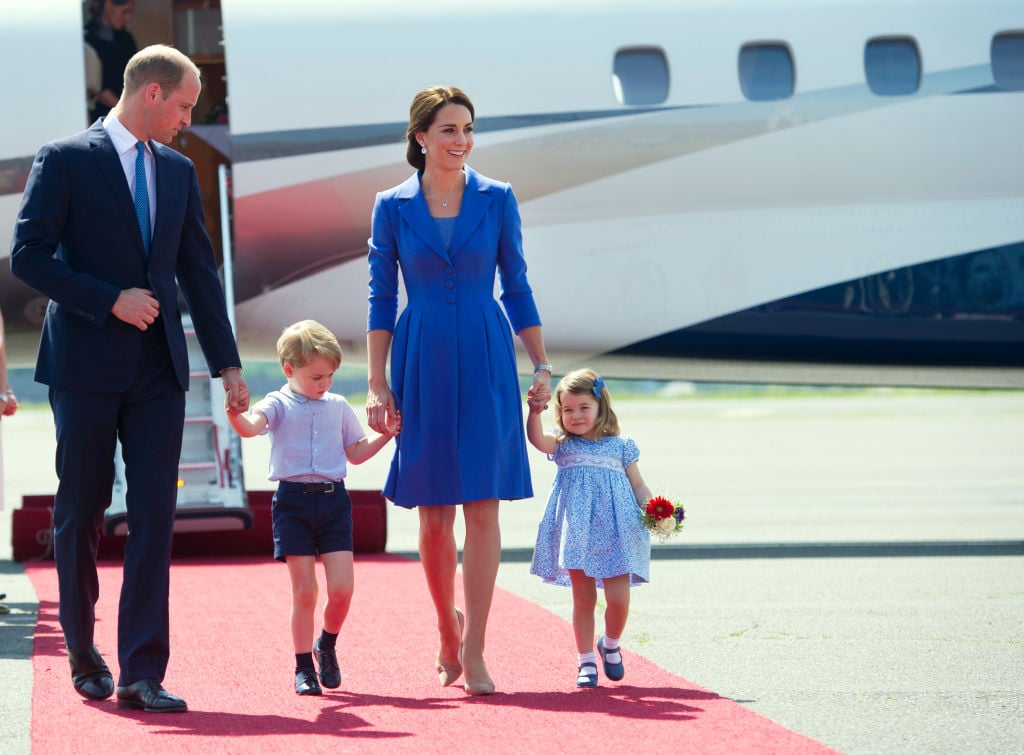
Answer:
[(423, 150)]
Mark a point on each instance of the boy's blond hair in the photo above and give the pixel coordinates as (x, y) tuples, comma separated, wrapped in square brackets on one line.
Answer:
[(582, 382), (302, 341)]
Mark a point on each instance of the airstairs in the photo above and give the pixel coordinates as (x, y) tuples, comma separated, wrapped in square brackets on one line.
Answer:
[(211, 490)]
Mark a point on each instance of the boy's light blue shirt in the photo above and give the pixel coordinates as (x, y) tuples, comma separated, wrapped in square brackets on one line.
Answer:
[(308, 436)]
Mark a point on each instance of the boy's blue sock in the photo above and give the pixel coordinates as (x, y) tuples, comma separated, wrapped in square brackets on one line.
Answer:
[(328, 640), (304, 661)]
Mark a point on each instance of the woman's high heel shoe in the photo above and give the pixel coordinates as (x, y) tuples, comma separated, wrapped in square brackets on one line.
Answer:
[(447, 673)]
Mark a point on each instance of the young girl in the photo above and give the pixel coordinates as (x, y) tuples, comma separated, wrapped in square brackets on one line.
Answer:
[(591, 535)]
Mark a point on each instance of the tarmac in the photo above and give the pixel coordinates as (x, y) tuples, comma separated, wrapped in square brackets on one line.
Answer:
[(852, 566)]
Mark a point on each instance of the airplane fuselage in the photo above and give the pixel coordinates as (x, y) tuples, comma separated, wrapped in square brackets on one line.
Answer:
[(811, 192)]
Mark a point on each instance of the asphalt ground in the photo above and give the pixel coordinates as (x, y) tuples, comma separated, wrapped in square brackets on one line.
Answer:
[(852, 566)]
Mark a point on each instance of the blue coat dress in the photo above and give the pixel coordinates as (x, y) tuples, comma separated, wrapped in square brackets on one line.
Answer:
[(453, 362)]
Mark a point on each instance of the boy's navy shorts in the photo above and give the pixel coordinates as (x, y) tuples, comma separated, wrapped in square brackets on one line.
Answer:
[(310, 519)]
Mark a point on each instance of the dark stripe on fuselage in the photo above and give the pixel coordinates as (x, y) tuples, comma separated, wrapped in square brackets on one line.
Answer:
[(273, 144), (966, 310)]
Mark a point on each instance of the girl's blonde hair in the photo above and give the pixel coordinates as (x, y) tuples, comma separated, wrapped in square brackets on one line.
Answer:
[(305, 340), (581, 382)]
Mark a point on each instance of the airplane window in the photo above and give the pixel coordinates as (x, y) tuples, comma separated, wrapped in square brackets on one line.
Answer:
[(640, 76), (892, 65), (766, 71), (1008, 59)]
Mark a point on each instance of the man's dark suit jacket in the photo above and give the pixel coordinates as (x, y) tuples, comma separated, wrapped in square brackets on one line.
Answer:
[(77, 241)]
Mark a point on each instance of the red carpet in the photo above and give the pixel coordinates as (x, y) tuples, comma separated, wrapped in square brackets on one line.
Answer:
[(232, 661)]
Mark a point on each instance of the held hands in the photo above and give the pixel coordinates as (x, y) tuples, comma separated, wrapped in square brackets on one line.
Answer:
[(393, 425), (236, 396), (231, 404), (536, 406), (381, 413), (136, 306), (540, 392)]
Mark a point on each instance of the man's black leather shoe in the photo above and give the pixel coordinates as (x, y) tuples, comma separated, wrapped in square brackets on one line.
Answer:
[(90, 675), (330, 674), (150, 696)]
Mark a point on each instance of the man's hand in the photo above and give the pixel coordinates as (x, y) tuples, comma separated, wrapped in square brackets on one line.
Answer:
[(137, 306), (237, 399)]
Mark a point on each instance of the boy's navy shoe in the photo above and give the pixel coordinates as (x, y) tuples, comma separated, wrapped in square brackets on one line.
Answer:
[(327, 660), (306, 683)]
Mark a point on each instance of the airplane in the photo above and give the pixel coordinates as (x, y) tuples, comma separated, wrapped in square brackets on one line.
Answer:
[(809, 191)]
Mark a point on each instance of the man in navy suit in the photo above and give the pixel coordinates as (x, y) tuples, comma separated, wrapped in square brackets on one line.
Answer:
[(110, 226)]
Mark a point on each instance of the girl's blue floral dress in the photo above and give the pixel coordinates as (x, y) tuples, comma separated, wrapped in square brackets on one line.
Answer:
[(592, 520)]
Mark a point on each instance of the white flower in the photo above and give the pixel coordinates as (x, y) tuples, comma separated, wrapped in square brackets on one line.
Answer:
[(667, 525)]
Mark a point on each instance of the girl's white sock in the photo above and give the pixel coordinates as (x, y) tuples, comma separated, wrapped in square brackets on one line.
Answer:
[(588, 658), (610, 643)]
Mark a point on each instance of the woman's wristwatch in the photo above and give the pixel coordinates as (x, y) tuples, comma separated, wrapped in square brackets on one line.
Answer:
[(546, 367)]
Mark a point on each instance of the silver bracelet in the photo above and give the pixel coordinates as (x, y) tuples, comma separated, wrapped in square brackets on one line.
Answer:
[(546, 367)]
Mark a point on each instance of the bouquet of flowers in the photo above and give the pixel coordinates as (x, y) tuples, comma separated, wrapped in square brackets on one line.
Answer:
[(663, 517)]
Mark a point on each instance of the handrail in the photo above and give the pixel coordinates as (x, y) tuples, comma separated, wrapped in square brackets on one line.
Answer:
[(223, 177)]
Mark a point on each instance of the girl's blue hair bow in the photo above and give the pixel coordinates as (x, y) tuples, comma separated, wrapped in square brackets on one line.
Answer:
[(598, 385)]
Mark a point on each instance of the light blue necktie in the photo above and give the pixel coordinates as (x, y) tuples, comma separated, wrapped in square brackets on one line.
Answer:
[(142, 196)]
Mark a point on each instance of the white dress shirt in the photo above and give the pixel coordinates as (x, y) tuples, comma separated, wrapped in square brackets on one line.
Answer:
[(124, 143)]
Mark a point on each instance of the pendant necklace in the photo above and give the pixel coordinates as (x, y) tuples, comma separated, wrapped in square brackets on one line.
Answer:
[(444, 202)]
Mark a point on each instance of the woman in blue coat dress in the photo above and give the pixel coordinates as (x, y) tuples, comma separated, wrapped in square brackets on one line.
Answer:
[(454, 380)]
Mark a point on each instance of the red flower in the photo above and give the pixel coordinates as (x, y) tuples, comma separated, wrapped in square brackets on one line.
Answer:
[(660, 508)]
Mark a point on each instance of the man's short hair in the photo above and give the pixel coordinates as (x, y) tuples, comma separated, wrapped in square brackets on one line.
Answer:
[(157, 64)]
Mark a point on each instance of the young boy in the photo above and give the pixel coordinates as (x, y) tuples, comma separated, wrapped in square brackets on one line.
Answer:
[(312, 433)]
